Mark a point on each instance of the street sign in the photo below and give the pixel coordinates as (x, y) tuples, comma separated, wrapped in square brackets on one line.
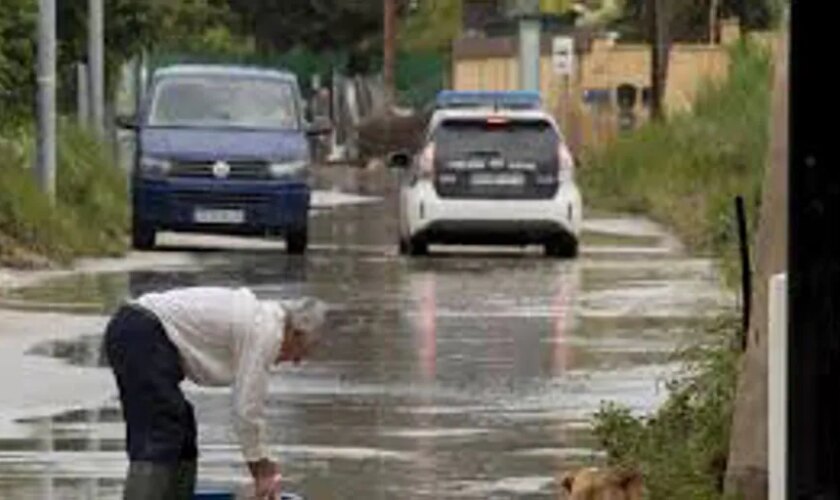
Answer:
[(563, 55)]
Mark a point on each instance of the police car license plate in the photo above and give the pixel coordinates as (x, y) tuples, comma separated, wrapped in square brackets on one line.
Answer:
[(500, 179)]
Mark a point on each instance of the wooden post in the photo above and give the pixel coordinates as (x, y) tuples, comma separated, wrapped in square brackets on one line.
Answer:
[(659, 56), (713, 15)]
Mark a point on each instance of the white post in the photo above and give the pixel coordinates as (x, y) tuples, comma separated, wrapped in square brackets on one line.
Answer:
[(96, 64), (777, 383), (46, 145), (82, 95)]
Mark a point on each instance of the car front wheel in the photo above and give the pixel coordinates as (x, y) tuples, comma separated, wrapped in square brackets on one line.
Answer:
[(417, 246), (563, 247), (297, 241), (142, 236)]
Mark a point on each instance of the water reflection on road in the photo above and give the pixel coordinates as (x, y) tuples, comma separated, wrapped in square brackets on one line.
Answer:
[(469, 374)]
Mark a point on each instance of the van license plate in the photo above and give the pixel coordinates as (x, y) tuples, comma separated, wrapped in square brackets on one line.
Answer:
[(218, 216), (508, 179)]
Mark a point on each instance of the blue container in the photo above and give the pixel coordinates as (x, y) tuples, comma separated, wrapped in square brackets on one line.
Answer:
[(214, 495)]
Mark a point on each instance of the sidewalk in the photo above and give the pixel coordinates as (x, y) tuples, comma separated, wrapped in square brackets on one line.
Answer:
[(33, 386)]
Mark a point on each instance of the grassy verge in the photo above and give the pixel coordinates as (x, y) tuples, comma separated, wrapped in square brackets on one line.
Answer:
[(681, 450), (686, 173), (90, 214)]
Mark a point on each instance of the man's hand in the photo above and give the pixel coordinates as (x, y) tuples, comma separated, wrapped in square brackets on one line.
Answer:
[(266, 476)]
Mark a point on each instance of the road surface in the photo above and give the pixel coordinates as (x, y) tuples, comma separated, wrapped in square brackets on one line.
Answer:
[(468, 374)]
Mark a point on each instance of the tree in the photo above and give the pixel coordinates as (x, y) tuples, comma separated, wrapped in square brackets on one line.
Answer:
[(17, 57), (754, 14), (599, 12), (133, 25), (432, 27), (555, 6), (322, 25), (689, 19), (130, 25)]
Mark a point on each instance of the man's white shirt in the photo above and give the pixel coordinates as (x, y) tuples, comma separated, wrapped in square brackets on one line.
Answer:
[(226, 337)]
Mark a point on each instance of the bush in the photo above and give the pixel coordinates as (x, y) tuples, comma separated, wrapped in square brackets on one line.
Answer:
[(95, 189), (17, 57), (682, 449), (90, 214), (686, 173)]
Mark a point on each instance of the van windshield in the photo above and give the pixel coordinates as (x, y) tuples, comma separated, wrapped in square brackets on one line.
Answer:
[(224, 102)]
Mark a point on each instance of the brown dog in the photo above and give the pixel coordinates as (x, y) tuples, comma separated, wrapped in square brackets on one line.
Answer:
[(603, 484)]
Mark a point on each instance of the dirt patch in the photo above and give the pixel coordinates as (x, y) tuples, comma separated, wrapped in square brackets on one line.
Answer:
[(15, 256)]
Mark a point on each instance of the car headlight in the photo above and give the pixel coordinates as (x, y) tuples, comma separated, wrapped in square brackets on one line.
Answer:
[(285, 170), (155, 167)]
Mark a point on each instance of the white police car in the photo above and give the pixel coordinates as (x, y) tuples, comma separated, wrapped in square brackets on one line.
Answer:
[(490, 176)]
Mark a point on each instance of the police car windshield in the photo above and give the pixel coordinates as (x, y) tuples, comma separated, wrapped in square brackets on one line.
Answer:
[(224, 102)]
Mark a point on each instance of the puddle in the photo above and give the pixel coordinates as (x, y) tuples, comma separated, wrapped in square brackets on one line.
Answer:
[(85, 351), (469, 374)]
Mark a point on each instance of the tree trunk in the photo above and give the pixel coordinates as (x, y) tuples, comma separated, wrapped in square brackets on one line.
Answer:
[(713, 15), (658, 17)]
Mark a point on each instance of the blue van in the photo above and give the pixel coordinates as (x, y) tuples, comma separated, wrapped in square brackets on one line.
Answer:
[(222, 149)]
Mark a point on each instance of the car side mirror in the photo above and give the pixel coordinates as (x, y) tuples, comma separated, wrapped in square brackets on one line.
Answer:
[(127, 122), (399, 160), (321, 125)]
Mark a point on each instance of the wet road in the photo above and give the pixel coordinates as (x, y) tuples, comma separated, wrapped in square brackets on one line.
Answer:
[(469, 374)]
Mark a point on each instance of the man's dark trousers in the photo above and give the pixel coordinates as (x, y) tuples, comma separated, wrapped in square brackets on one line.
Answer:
[(160, 423)]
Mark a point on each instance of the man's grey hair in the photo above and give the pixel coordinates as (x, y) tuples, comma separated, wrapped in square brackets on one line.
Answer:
[(306, 315)]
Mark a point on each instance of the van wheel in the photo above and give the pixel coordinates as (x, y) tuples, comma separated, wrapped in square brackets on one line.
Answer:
[(562, 247), (142, 236), (297, 241)]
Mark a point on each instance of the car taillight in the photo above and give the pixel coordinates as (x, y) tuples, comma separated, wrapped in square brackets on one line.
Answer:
[(427, 162), (497, 121), (567, 164)]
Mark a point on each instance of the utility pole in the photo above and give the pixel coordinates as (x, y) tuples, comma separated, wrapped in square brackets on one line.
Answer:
[(530, 28), (96, 56), (659, 56), (527, 14), (82, 95), (46, 154), (390, 49)]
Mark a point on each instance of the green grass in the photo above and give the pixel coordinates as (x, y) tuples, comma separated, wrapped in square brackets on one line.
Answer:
[(686, 172), (90, 213), (681, 449)]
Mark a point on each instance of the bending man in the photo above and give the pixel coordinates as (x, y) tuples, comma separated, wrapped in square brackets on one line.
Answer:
[(214, 337)]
